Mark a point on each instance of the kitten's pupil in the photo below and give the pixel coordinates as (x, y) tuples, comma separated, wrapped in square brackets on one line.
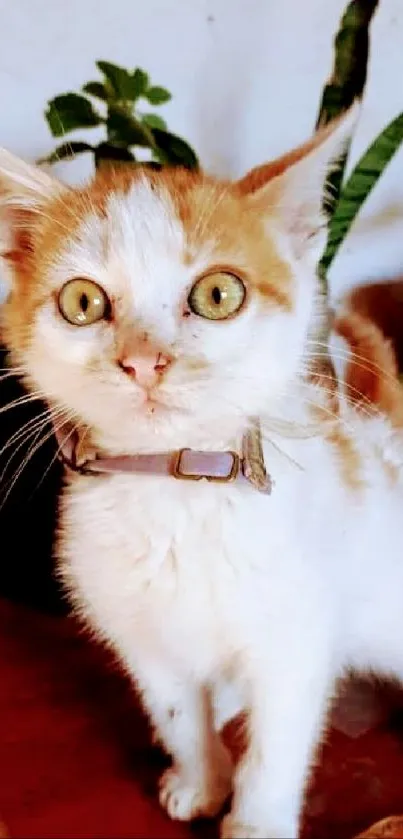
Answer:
[(83, 302), (216, 295)]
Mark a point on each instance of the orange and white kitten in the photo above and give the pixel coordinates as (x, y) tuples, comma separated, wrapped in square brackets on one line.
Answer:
[(162, 310)]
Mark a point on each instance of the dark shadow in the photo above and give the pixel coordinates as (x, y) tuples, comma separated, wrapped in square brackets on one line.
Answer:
[(28, 511)]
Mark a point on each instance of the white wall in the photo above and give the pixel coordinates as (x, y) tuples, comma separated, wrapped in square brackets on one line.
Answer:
[(246, 77)]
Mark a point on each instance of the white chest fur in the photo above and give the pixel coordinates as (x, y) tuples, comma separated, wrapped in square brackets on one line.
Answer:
[(179, 566), (212, 585), (171, 560)]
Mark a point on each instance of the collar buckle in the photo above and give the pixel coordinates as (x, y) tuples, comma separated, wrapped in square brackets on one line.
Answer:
[(179, 471)]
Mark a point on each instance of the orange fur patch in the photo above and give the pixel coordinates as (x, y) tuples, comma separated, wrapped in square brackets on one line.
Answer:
[(372, 373), (348, 457), (382, 304), (371, 377)]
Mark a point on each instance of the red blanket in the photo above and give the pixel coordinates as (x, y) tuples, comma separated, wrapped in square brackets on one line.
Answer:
[(77, 760)]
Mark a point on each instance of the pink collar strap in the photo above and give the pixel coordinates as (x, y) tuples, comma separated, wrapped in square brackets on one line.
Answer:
[(185, 464)]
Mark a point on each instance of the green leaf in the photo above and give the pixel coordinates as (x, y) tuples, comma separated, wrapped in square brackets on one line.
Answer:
[(359, 185), (347, 82), (70, 111), (157, 95), (154, 121), (128, 131), (115, 154), (66, 150), (96, 89), (351, 49), (173, 150), (139, 83), (120, 80)]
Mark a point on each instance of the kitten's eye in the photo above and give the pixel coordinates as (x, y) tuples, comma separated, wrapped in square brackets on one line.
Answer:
[(83, 302), (217, 296)]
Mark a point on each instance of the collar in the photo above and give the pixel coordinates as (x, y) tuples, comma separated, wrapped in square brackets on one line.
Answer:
[(220, 467)]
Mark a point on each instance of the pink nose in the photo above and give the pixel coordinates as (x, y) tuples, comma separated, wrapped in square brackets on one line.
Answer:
[(146, 369)]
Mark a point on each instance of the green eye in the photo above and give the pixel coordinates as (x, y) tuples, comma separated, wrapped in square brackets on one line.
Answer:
[(83, 302), (217, 296)]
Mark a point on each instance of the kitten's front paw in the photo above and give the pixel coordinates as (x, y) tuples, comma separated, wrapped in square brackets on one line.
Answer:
[(233, 829), (184, 800)]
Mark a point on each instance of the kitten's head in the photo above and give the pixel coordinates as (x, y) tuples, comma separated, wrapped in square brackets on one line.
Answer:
[(164, 309)]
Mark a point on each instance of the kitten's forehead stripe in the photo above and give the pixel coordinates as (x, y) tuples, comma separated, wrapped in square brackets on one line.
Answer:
[(145, 220)]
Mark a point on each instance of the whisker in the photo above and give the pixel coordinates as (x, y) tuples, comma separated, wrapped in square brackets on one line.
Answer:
[(11, 483), (58, 450), (36, 445), (12, 371), (285, 454), (22, 400), (364, 400), (29, 426), (27, 430), (369, 366)]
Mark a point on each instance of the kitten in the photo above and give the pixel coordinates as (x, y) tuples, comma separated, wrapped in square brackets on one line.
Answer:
[(163, 310)]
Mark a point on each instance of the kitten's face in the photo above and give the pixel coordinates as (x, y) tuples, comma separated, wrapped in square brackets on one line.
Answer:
[(165, 309)]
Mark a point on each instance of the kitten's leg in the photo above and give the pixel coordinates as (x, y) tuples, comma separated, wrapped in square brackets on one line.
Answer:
[(199, 780), (288, 703)]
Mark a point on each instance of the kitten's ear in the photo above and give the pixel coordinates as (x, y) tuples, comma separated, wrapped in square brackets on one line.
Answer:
[(290, 190), (24, 191)]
